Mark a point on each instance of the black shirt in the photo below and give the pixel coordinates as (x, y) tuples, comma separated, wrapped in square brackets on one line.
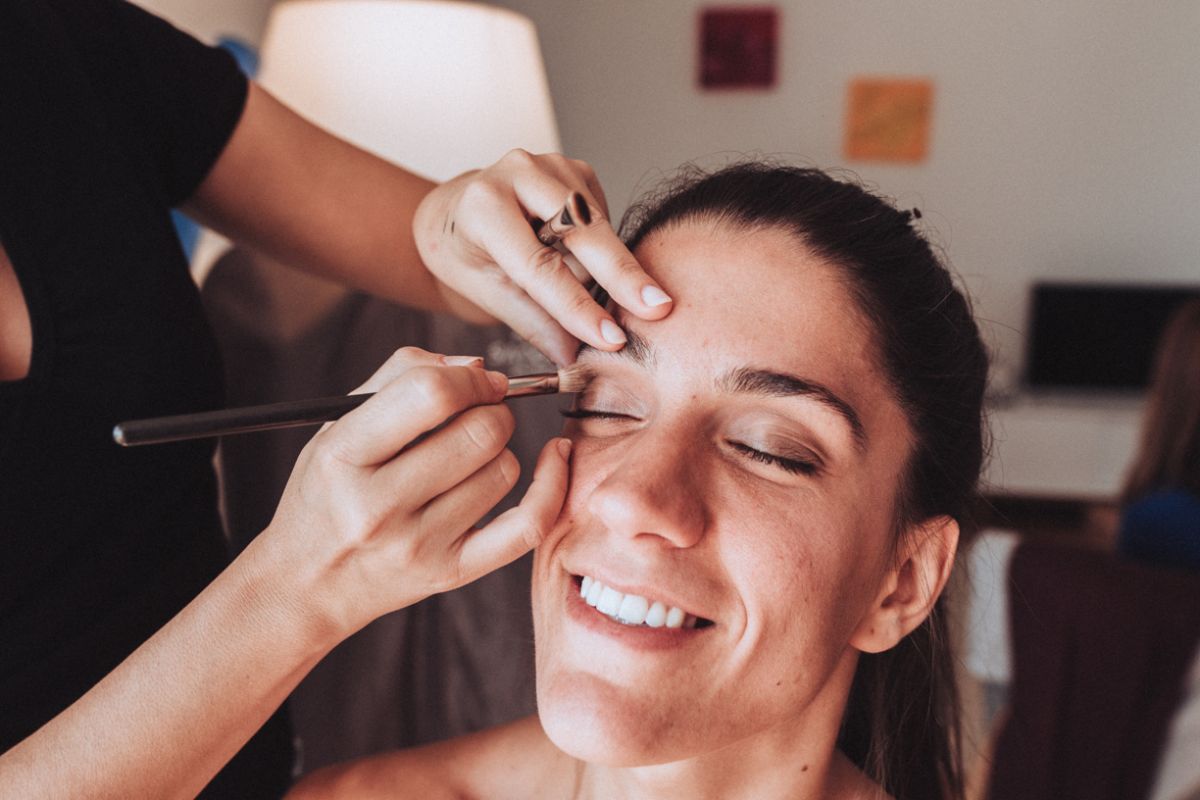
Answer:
[(108, 118)]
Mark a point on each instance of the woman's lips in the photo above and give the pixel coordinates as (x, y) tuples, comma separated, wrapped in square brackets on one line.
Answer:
[(643, 633), (628, 608)]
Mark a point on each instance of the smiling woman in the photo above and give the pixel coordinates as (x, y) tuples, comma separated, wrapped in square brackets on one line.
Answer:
[(740, 596)]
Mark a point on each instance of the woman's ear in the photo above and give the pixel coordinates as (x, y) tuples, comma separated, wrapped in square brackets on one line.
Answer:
[(911, 587)]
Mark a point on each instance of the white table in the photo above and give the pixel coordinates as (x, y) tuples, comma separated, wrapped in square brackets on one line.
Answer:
[(1068, 448)]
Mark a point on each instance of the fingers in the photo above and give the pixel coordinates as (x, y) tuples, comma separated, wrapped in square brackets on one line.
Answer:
[(420, 399), (533, 323), (540, 271), (493, 262), (597, 247), (520, 529), (593, 184), (449, 456), (541, 185), (405, 359), (610, 263), (454, 513)]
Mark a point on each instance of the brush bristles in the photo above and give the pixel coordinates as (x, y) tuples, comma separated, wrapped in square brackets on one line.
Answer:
[(573, 379)]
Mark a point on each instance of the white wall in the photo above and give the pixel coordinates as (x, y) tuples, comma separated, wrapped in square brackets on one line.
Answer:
[(1066, 135)]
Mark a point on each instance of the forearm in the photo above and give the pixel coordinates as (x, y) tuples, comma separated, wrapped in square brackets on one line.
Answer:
[(371, 521), (312, 201), (174, 712)]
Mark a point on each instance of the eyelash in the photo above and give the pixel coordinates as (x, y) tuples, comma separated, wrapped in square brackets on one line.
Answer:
[(583, 413), (791, 465)]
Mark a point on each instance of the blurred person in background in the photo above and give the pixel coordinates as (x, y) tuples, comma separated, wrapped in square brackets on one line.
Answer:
[(1160, 519)]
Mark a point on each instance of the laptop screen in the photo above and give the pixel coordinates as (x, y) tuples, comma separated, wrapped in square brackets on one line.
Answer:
[(1097, 336)]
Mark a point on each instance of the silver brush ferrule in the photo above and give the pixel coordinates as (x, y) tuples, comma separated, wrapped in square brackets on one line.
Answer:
[(524, 385)]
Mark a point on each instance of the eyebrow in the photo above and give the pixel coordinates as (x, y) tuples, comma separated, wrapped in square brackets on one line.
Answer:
[(748, 380), (636, 348), (780, 384)]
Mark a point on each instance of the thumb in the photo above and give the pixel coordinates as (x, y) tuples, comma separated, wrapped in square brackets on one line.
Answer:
[(518, 530)]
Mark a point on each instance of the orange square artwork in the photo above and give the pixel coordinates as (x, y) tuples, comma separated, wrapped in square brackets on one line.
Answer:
[(887, 119)]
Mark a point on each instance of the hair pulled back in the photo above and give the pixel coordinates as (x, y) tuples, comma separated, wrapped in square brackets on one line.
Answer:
[(901, 724)]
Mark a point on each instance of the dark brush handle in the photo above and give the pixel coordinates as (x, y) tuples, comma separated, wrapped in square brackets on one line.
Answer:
[(290, 414)]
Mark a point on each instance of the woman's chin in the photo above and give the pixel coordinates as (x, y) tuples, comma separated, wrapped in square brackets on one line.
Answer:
[(593, 744), (607, 732)]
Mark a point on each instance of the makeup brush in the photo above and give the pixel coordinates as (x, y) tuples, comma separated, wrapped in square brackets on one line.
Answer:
[(295, 413)]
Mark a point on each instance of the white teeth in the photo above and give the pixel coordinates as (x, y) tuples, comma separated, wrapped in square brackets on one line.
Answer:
[(610, 602), (593, 595), (675, 617), (632, 609)]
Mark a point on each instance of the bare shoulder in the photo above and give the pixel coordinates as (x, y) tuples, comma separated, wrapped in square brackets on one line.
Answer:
[(516, 760)]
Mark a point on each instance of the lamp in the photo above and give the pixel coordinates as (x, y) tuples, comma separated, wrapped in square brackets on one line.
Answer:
[(437, 87)]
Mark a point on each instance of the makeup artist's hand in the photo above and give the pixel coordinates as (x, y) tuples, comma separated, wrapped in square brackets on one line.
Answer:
[(474, 234), (371, 521)]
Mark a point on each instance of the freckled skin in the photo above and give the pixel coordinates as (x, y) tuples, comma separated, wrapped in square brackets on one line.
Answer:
[(792, 566), (787, 564)]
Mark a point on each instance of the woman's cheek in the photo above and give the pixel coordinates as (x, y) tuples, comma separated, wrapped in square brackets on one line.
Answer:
[(801, 567), (590, 465)]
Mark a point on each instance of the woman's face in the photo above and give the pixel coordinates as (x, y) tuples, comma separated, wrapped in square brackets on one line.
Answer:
[(738, 461)]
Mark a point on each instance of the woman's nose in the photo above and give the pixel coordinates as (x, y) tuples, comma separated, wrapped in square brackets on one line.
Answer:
[(654, 490)]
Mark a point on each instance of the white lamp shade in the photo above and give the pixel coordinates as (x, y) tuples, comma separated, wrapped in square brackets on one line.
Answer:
[(437, 87)]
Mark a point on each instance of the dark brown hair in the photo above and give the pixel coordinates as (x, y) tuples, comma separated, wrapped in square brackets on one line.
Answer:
[(1169, 454), (901, 723)]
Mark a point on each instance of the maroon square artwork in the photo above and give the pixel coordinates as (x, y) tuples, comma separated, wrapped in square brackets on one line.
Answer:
[(737, 47)]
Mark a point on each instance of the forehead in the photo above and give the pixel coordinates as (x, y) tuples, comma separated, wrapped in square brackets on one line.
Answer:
[(756, 297)]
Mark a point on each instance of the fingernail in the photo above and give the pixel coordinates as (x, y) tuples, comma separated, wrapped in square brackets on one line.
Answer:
[(499, 380), (611, 333), (564, 448), (462, 361), (654, 296)]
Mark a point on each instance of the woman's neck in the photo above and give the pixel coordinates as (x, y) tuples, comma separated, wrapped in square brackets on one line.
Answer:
[(730, 777), (795, 759)]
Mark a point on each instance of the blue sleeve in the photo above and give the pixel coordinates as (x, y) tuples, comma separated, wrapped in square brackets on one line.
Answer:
[(1163, 529)]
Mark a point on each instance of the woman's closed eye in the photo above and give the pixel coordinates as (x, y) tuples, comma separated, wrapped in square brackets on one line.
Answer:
[(791, 464), (589, 413)]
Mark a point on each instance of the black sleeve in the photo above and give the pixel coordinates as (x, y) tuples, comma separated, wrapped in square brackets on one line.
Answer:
[(174, 100)]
